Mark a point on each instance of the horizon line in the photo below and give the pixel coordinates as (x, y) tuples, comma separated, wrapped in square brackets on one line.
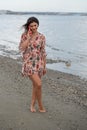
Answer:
[(42, 11)]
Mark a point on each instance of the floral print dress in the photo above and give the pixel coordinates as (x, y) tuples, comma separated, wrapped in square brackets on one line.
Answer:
[(33, 55)]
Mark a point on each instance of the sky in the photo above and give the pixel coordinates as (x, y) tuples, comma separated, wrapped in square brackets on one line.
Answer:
[(44, 5)]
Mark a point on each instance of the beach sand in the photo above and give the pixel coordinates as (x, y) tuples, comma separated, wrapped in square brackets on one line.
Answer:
[(64, 97)]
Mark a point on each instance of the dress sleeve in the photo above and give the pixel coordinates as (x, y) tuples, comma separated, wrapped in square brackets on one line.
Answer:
[(22, 39), (43, 47)]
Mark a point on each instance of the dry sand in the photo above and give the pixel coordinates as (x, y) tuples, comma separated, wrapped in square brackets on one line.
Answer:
[(64, 96)]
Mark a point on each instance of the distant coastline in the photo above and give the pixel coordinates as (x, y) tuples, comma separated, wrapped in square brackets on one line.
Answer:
[(8, 12)]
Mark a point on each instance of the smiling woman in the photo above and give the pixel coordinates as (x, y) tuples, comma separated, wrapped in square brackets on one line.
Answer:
[(32, 46)]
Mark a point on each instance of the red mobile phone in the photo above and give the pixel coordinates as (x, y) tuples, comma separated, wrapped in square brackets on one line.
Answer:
[(30, 31)]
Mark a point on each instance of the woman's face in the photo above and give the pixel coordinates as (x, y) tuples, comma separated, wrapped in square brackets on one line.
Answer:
[(33, 27)]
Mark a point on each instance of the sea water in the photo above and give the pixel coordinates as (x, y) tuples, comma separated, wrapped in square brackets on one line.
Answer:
[(66, 40)]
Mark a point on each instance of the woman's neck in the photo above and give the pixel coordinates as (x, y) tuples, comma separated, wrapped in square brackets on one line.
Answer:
[(34, 33)]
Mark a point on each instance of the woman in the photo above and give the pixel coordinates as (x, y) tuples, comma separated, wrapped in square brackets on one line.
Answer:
[(32, 46)]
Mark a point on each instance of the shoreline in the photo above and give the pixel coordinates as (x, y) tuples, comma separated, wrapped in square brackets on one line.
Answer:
[(59, 65), (64, 96), (64, 66)]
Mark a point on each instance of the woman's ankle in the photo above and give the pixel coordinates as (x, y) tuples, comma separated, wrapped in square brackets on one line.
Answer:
[(41, 108), (32, 109)]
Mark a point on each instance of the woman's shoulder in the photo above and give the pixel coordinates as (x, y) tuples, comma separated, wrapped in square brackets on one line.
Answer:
[(24, 35), (42, 36)]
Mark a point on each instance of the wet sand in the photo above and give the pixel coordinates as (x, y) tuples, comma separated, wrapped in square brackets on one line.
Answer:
[(64, 97)]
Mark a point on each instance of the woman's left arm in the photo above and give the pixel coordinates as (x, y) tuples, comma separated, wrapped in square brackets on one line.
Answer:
[(44, 51)]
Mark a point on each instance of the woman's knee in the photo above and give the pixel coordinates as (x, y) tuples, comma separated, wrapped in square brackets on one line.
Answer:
[(36, 81), (39, 85)]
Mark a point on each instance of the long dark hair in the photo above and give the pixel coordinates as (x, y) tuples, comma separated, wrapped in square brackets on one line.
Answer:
[(29, 21)]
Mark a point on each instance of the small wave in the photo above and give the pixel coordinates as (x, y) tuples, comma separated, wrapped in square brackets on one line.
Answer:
[(79, 55), (9, 41)]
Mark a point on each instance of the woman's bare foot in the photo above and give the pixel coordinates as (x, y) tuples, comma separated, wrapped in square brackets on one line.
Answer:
[(32, 109), (42, 109)]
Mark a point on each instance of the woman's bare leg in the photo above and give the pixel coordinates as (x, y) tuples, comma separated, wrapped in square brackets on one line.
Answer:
[(38, 91), (33, 101)]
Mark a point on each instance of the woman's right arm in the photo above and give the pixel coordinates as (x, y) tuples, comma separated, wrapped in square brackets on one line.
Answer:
[(23, 42)]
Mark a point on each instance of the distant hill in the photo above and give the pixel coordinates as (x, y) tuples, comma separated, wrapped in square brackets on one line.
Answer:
[(40, 13)]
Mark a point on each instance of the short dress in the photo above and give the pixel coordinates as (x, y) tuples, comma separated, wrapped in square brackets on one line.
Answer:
[(33, 56)]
